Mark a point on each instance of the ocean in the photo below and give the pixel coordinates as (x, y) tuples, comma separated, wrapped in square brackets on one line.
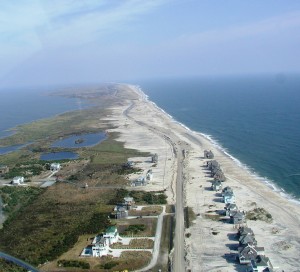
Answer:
[(254, 119)]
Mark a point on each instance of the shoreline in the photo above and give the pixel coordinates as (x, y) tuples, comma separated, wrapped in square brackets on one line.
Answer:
[(145, 127), (265, 180)]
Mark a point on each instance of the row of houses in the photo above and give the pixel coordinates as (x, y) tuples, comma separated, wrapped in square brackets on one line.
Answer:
[(251, 254), (248, 252), (215, 170)]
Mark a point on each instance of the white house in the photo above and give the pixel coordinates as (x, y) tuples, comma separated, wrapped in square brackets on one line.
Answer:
[(111, 234), (149, 175), (55, 166), (101, 243), (98, 248), (18, 180)]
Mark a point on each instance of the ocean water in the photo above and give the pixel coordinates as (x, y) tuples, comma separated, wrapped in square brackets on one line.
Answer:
[(19, 106), (255, 119)]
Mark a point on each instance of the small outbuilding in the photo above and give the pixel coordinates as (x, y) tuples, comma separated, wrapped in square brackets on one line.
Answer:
[(154, 158), (55, 167), (17, 180), (4, 169)]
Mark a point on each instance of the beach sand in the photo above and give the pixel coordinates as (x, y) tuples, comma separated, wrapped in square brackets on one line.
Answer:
[(145, 127)]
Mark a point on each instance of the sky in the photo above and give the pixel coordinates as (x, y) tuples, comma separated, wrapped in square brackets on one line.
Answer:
[(49, 42)]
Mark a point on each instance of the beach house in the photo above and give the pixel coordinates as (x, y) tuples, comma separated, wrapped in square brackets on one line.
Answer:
[(219, 175), (260, 264), (208, 154), (216, 185), (17, 180), (119, 212), (100, 245), (228, 198), (245, 231), (230, 208), (237, 217), (248, 252), (247, 240), (111, 234), (141, 181), (98, 248), (128, 202)]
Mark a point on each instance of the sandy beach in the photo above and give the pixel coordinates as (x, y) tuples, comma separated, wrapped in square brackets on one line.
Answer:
[(212, 244)]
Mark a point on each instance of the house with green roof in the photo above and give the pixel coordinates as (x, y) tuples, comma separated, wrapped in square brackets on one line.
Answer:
[(111, 234)]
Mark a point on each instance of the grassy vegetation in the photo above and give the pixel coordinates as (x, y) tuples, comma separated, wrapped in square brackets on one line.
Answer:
[(259, 214), (15, 198), (73, 263), (52, 223), (140, 197), (134, 229), (43, 224), (28, 169), (6, 266), (140, 227)]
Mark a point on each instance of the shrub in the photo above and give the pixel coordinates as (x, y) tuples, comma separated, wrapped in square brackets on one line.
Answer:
[(73, 263)]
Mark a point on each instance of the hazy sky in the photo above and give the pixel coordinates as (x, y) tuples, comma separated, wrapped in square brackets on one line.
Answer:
[(79, 41)]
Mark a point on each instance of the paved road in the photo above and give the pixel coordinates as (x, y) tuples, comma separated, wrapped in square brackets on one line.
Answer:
[(18, 262), (157, 240), (179, 251)]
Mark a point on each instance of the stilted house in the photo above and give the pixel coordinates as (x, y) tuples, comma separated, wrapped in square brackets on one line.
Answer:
[(216, 185), (230, 208), (208, 154), (245, 231), (247, 239), (237, 217), (249, 252), (261, 264), (219, 175)]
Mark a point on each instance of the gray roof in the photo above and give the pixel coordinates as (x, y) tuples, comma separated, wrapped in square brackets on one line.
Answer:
[(245, 230), (247, 239)]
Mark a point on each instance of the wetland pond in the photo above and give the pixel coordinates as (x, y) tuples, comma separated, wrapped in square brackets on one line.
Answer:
[(82, 140), (73, 141)]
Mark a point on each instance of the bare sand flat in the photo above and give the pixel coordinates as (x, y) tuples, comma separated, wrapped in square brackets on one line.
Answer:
[(212, 244)]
